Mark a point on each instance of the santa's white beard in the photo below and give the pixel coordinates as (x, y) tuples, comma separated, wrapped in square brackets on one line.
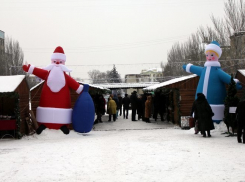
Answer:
[(62, 66), (56, 79)]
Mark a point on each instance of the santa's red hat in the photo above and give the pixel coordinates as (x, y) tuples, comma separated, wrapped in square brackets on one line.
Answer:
[(58, 54)]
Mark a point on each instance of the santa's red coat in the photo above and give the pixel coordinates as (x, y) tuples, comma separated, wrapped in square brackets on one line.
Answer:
[(54, 108)]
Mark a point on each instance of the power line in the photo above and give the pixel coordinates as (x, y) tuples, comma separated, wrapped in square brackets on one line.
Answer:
[(121, 64), (73, 1), (76, 5), (104, 3), (112, 47)]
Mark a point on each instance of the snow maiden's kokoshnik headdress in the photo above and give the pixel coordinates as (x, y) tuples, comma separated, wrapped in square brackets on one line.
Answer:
[(214, 46)]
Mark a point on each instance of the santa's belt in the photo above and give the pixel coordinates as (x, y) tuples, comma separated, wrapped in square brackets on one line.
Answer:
[(54, 115)]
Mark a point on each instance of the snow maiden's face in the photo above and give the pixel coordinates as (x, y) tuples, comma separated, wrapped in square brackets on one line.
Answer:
[(212, 56)]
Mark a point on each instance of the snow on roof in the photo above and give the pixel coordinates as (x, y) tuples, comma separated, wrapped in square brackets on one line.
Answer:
[(10, 83), (36, 85), (152, 69), (169, 82), (242, 72), (94, 86), (127, 85)]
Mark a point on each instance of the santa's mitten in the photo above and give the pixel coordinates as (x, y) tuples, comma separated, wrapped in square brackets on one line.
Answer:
[(26, 67), (184, 67)]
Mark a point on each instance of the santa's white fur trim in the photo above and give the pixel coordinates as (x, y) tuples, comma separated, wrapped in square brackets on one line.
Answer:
[(31, 69), (54, 115), (215, 48), (58, 56), (236, 80), (218, 111), (212, 63), (80, 89), (188, 67)]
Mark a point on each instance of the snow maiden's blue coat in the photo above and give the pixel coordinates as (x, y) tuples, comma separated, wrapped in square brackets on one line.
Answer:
[(212, 85)]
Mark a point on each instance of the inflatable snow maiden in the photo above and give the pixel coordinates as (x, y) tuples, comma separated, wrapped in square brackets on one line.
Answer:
[(212, 80), (54, 109)]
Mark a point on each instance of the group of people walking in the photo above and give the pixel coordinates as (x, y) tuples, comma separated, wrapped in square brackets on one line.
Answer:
[(146, 106)]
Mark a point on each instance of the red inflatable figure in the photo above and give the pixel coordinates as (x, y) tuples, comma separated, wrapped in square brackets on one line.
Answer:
[(54, 109)]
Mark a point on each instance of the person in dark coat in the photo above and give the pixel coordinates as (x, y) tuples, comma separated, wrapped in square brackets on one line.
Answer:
[(134, 100), (125, 103), (99, 108), (144, 99), (194, 117), (159, 105), (120, 104), (162, 105), (240, 115), (204, 114), (140, 107)]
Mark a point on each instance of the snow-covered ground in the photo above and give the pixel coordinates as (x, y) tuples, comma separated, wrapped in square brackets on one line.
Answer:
[(123, 151)]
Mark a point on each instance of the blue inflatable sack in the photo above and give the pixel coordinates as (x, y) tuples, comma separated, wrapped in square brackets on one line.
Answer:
[(83, 112)]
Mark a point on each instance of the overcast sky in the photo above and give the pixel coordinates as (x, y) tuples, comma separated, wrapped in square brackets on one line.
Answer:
[(95, 34)]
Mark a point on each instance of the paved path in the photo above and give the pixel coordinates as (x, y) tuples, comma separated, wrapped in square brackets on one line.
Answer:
[(127, 124)]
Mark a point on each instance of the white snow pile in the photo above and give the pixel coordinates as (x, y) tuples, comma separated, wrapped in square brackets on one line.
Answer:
[(123, 151)]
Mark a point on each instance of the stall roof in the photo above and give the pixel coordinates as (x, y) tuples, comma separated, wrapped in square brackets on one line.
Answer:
[(126, 85), (91, 85), (36, 85), (242, 72), (10, 83), (95, 86), (169, 82)]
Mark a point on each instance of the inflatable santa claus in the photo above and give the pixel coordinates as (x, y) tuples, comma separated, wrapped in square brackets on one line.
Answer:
[(54, 109), (212, 80)]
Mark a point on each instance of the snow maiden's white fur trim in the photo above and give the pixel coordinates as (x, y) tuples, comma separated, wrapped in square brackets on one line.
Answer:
[(54, 115), (31, 69), (188, 67), (215, 48), (206, 80), (80, 89), (218, 111), (212, 63), (58, 56)]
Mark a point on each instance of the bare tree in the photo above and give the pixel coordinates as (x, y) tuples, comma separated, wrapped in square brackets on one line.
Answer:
[(235, 16), (13, 59), (191, 51), (229, 32), (97, 76)]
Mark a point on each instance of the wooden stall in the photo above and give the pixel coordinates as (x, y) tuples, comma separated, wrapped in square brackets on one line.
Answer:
[(181, 92), (240, 75), (14, 105)]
